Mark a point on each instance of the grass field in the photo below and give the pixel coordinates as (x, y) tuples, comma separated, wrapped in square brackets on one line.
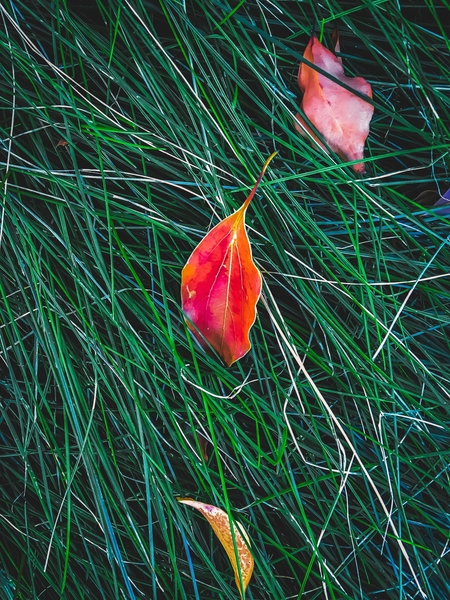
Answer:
[(128, 129)]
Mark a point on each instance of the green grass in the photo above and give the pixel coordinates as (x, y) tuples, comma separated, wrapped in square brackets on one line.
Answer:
[(330, 440)]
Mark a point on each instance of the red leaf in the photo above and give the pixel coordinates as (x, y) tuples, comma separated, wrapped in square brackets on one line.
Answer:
[(220, 286), (341, 117)]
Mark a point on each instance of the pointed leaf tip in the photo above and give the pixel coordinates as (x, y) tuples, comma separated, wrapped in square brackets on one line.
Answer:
[(258, 181), (221, 285), (220, 523)]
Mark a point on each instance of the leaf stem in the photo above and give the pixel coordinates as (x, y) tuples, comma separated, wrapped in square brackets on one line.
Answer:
[(258, 181)]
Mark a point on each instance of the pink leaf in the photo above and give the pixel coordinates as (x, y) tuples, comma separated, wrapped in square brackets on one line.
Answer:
[(341, 117)]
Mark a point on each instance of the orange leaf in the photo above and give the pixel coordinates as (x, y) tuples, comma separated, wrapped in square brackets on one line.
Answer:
[(219, 521), (341, 117), (220, 286)]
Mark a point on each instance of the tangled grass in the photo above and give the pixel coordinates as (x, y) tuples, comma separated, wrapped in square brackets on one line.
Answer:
[(128, 129)]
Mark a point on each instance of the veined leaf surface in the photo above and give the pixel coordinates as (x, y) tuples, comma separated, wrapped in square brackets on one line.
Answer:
[(220, 286), (339, 115), (219, 521)]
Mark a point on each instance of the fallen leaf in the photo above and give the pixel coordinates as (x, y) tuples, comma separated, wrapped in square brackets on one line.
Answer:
[(444, 203), (428, 199), (203, 443), (340, 117), (219, 521), (220, 286)]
